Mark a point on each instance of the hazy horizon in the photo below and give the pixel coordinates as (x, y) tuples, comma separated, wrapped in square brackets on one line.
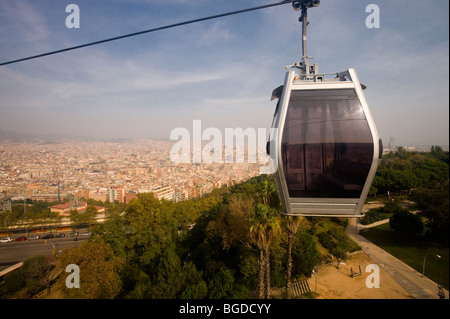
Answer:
[(16, 137)]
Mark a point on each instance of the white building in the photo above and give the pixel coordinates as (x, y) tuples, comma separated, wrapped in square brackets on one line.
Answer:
[(166, 192)]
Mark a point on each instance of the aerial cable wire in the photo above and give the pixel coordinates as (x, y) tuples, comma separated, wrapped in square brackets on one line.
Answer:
[(148, 31)]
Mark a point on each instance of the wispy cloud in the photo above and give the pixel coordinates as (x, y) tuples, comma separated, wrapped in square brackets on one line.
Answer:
[(216, 32), (23, 26)]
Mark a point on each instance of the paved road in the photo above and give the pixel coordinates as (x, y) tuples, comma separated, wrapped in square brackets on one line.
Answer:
[(14, 252), (412, 281)]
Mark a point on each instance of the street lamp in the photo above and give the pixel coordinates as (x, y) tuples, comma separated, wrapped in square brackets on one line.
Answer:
[(423, 271), (55, 250)]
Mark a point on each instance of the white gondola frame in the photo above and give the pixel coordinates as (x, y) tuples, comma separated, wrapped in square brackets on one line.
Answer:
[(321, 207)]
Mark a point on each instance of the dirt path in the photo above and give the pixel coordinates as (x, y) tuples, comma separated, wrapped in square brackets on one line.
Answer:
[(333, 283)]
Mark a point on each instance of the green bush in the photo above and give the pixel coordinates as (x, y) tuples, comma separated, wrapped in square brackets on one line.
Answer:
[(340, 221), (336, 238), (372, 216), (406, 222), (224, 286), (326, 240), (305, 255), (14, 281), (198, 291), (338, 234), (313, 230), (391, 206), (33, 276)]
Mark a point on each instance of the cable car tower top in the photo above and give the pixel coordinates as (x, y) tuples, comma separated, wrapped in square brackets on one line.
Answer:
[(305, 68)]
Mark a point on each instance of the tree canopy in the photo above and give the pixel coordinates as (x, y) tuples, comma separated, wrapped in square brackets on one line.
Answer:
[(216, 246), (232, 242)]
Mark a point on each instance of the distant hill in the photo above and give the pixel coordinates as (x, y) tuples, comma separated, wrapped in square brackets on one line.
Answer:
[(7, 136), (15, 137), (18, 137)]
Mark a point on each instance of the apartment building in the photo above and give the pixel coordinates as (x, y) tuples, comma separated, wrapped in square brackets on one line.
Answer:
[(166, 192)]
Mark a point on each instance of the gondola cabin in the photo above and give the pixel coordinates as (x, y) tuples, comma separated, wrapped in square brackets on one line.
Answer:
[(327, 148)]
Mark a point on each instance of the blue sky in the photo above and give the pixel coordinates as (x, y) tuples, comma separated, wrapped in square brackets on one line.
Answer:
[(220, 71)]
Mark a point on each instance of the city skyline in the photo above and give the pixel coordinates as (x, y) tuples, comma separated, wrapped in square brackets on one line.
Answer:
[(94, 170), (221, 71)]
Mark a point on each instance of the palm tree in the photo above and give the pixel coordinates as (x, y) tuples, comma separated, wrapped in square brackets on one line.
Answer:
[(264, 225), (292, 225), (267, 191)]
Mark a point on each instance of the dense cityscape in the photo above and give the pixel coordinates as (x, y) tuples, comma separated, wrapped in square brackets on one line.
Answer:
[(109, 171)]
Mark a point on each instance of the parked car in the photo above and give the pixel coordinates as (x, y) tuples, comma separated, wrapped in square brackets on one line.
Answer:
[(33, 237), (74, 234), (86, 234), (5, 240), (48, 236), (60, 235), (21, 238)]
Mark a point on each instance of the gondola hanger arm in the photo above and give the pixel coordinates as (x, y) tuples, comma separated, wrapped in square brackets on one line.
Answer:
[(304, 66)]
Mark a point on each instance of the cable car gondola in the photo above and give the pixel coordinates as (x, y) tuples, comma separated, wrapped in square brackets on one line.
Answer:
[(327, 148)]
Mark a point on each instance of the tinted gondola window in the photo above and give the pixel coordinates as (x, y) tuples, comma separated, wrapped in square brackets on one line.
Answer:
[(327, 146)]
